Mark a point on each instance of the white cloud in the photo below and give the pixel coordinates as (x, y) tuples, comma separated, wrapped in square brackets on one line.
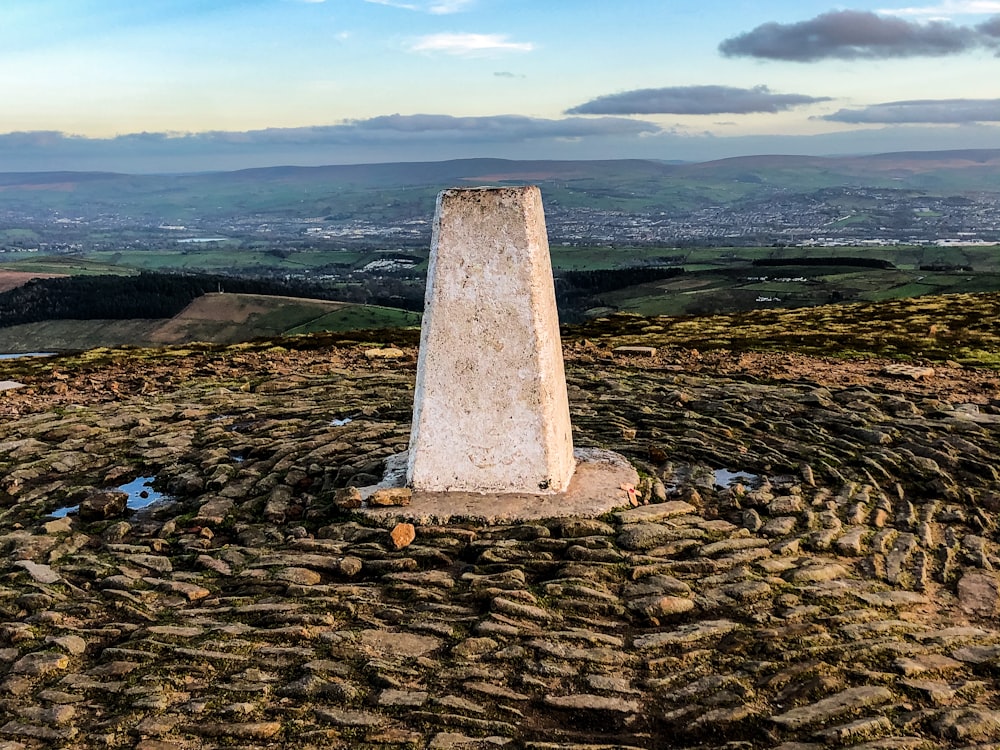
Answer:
[(948, 8), (469, 44), (449, 6), (437, 7)]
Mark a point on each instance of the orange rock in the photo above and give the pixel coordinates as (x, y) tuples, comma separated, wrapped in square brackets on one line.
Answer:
[(392, 497), (402, 535), (348, 498)]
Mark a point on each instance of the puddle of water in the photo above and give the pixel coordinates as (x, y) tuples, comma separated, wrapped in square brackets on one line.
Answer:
[(27, 354), (140, 494), (726, 478), (341, 422)]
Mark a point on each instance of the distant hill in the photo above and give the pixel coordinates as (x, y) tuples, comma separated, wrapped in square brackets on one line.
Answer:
[(407, 189)]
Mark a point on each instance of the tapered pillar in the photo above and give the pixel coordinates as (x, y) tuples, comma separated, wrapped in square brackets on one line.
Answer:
[(490, 410)]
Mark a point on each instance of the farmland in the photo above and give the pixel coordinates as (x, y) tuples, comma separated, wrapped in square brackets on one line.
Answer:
[(630, 235)]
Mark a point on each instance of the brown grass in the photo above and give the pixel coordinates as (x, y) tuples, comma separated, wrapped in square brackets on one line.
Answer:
[(13, 279)]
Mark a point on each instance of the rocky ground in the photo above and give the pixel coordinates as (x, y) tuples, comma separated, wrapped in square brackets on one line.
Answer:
[(842, 593)]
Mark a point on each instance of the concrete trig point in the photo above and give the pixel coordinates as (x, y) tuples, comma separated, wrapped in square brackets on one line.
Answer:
[(491, 436), (490, 410)]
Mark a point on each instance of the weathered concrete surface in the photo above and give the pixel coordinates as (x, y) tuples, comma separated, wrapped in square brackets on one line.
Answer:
[(490, 409), (597, 487)]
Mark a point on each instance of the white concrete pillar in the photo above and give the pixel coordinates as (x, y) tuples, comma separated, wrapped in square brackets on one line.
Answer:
[(490, 410)]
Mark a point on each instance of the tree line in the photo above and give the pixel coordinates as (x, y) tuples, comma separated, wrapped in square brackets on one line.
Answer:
[(824, 261), (146, 295)]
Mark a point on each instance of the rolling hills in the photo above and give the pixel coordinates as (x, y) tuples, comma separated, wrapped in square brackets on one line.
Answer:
[(408, 189)]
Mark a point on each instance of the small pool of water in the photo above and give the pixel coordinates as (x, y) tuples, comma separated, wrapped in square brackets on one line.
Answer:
[(22, 355), (726, 478), (140, 494), (341, 422)]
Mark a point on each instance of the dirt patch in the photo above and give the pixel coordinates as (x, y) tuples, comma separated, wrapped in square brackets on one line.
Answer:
[(13, 279)]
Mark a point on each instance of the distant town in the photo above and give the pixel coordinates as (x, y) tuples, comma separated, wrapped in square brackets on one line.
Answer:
[(834, 217)]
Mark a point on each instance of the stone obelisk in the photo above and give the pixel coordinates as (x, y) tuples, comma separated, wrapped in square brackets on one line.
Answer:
[(491, 413)]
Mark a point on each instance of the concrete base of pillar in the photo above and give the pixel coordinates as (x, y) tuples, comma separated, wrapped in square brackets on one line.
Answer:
[(595, 489)]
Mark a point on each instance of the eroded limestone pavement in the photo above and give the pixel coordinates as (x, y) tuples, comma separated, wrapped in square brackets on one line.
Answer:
[(843, 593)]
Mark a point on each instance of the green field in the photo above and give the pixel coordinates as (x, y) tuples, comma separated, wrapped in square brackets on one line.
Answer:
[(713, 292), (72, 265), (227, 257), (593, 258), (360, 317)]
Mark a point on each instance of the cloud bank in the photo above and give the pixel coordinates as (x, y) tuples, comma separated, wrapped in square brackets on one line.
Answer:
[(429, 137), (854, 35), (469, 44), (694, 100), (397, 137), (940, 111), (990, 28), (492, 128), (949, 8)]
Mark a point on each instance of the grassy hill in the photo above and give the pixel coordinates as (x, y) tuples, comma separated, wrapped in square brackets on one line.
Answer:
[(211, 318), (228, 318), (941, 327)]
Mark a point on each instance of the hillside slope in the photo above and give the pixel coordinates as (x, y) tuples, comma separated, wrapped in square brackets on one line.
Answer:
[(229, 318), (216, 318)]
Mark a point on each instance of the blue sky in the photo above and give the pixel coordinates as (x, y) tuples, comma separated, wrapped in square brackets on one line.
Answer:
[(181, 85)]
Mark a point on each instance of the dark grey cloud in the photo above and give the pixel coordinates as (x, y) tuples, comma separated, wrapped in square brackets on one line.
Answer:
[(384, 128), (693, 100), (923, 111), (852, 35), (990, 28)]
